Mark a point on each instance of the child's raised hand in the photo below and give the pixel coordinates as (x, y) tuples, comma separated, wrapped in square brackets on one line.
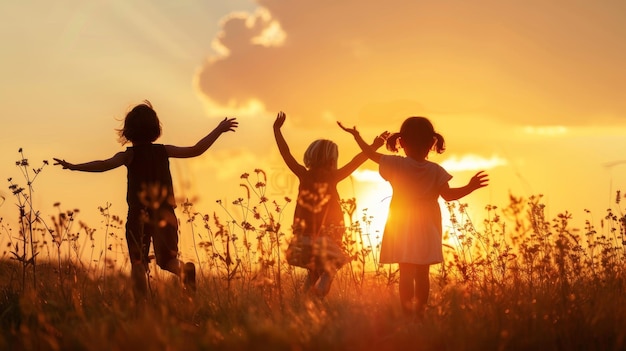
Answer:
[(379, 140), (227, 125), (62, 163), (479, 180), (280, 120), (352, 130)]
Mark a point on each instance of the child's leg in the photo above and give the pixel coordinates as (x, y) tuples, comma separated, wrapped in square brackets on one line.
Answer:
[(311, 279), (407, 286), (189, 276), (138, 244), (173, 265), (422, 287), (323, 283), (165, 244), (139, 280)]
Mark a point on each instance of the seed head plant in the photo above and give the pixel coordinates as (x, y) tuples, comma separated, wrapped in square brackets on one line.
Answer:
[(29, 218), (519, 279)]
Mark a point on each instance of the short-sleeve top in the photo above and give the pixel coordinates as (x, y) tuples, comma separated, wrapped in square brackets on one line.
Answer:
[(413, 231)]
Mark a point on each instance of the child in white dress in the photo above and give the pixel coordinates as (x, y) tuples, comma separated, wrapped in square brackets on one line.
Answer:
[(413, 232)]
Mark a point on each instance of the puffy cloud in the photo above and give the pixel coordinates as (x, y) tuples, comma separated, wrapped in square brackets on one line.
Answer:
[(535, 62), (532, 89)]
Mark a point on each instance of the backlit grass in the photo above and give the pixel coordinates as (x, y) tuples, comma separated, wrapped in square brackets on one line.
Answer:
[(513, 281)]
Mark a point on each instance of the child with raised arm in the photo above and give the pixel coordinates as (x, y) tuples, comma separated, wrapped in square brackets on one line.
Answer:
[(413, 232), (318, 222), (150, 194)]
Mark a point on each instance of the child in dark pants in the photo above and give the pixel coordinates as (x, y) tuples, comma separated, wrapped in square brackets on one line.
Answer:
[(150, 194)]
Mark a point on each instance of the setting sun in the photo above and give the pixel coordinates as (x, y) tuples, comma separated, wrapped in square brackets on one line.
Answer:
[(374, 208)]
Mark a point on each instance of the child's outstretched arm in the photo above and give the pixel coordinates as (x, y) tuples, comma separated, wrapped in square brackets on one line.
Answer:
[(478, 181), (367, 149), (291, 162), (117, 160), (361, 157), (226, 125)]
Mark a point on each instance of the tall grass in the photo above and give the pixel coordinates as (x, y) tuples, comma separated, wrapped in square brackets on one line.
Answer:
[(517, 280)]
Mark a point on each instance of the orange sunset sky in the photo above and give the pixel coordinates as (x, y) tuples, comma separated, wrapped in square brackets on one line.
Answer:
[(533, 91)]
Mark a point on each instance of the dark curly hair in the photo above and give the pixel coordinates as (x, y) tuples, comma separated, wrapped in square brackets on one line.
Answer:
[(141, 125)]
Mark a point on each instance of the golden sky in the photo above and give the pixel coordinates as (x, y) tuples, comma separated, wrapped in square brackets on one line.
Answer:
[(532, 91)]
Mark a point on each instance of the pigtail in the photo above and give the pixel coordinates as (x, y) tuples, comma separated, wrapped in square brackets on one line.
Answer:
[(392, 142), (440, 144)]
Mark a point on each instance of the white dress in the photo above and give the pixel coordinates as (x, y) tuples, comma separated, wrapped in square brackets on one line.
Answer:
[(413, 232)]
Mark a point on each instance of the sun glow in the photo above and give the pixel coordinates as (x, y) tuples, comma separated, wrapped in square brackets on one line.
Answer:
[(472, 162), (252, 107), (373, 206), (373, 202)]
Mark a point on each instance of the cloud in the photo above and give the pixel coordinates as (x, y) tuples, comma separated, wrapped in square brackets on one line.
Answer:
[(534, 62), (469, 162), (546, 130), (472, 162)]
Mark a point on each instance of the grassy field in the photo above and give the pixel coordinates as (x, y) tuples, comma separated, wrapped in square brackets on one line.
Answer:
[(515, 281)]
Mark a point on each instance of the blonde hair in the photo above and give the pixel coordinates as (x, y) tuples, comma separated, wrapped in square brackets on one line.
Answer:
[(321, 153)]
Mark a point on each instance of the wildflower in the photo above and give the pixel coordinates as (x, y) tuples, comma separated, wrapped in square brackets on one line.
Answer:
[(245, 176), (247, 189), (247, 226), (258, 170)]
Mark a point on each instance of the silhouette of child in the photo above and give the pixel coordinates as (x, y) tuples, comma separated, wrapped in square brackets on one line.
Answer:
[(150, 193), (318, 218), (413, 232)]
